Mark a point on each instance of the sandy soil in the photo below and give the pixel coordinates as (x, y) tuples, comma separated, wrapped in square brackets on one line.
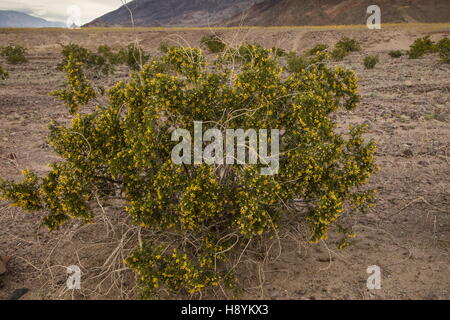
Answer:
[(406, 104)]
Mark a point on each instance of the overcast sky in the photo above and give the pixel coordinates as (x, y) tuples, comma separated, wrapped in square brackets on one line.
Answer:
[(56, 10)]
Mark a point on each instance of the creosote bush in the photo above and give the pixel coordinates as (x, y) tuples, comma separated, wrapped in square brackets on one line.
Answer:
[(395, 54), (79, 90), (338, 54), (134, 56), (298, 63), (279, 52), (214, 43), (420, 47), (370, 62), (316, 49), (204, 214), (344, 47), (443, 48), (3, 74), (101, 62), (164, 47), (349, 45), (105, 59), (14, 54)]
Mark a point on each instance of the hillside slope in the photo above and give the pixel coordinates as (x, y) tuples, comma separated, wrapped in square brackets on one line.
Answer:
[(340, 12), (174, 12), (190, 13)]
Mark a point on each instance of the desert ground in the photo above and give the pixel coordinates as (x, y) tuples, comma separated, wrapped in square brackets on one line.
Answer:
[(406, 104)]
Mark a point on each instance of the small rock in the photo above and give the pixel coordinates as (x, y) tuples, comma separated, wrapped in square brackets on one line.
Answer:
[(423, 163), (408, 153), (325, 258), (408, 83)]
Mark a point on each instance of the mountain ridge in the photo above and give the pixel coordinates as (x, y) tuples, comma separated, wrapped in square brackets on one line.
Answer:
[(201, 13), (17, 19)]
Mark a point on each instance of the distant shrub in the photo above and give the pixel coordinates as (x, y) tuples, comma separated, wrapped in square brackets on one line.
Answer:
[(14, 54), (395, 53), (443, 48), (296, 63), (214, 43), (3, 74), (134, 56), (113, 58), (164, 47), (370, 62), (100, 62), (318, 48), (421, 47), (279, 52), (338, 54), (248, 52), (349, 45)]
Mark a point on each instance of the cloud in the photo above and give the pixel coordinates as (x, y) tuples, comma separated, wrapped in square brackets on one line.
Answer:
[(57, 10)]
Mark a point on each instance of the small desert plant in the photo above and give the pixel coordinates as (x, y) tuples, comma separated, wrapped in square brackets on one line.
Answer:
[(164, 47), (296, 63), (113, 58), (214, 43), (103, 61), (14, 54), (3, 74), (370, 62), (198, 220), (395, 53), (343, 48), (443, 48), (338, 54), (279, 52), (349, 45), (421, 47), (315, 50), (134, 56)]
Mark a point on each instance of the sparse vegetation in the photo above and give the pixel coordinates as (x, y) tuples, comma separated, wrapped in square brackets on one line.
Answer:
[(395, 53), (134, 57), (214, 43), (443, 48), (103, 61), (164, 47), (421, 47), (296, 63), (197, 221), (279, 52), (370, 61), (338, 54), (317, 49), (344, 47), (349, 45), (14, 54)]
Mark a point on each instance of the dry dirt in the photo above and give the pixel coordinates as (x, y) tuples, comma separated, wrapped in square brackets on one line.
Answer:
[(406, 104)]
